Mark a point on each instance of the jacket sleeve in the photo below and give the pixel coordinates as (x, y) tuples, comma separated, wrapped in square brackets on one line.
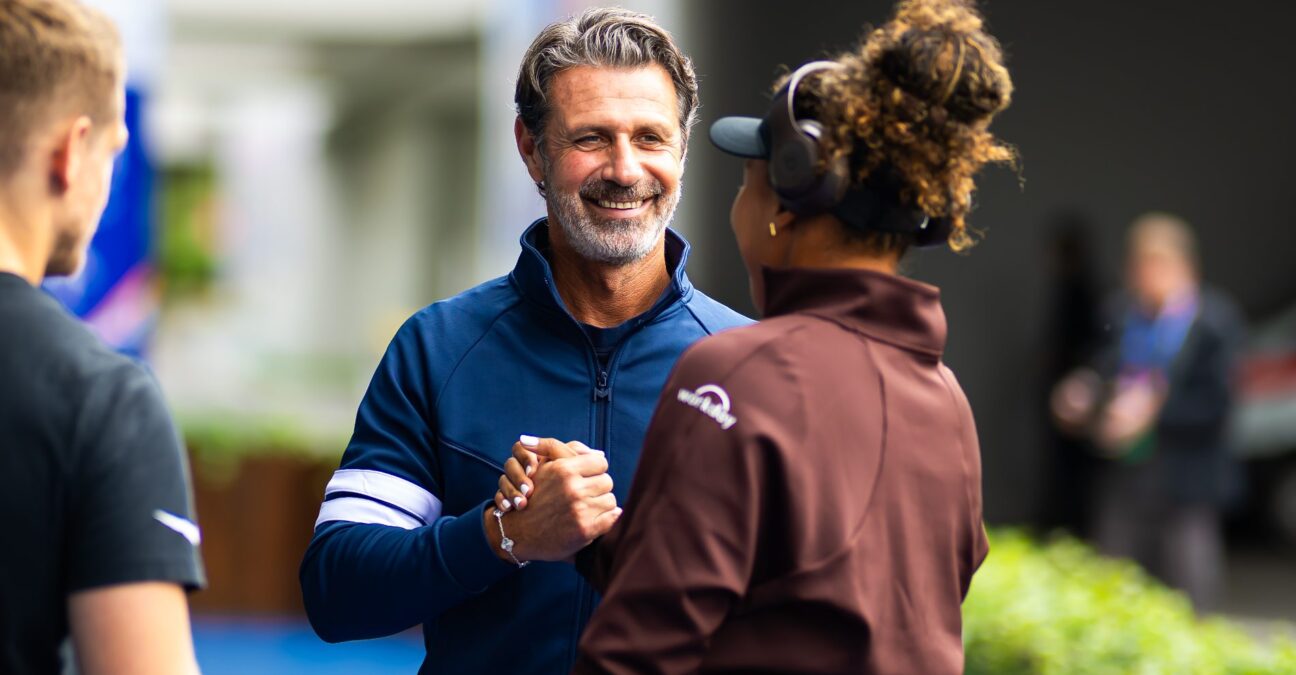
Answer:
[(384, 557), (683, 554), (1201, 391)]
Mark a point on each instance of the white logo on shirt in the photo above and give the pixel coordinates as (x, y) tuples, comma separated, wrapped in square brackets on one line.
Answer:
[(711, 401), (184, 527)]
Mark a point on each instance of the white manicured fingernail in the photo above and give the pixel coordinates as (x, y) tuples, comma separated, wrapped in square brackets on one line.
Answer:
[(525, 489), (529, 441), (517, 501), (530, 469), (507, 505)]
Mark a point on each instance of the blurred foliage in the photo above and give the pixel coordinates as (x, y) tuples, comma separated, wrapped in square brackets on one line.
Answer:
[(186, 256), (223, 440), (1058, 608)]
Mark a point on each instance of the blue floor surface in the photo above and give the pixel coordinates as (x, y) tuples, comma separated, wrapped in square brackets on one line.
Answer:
[(259, 646)]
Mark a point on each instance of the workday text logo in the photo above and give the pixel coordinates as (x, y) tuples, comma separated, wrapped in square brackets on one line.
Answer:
[(711, 401)]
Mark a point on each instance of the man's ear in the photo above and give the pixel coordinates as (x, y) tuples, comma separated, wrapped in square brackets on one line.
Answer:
[(71, 143), (529, 149)]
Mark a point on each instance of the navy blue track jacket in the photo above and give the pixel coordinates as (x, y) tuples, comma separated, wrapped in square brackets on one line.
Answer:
[(400, 539)]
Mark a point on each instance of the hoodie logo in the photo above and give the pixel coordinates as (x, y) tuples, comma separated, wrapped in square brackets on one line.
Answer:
[(711, 401)]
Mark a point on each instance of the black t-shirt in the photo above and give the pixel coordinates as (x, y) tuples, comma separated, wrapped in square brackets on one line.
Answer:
[(96, 488), (605, 340)]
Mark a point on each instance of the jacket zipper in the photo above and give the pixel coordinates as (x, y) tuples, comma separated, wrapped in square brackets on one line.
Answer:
[(602, 412)]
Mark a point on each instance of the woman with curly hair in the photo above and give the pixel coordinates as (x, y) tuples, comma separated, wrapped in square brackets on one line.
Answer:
[(809, 495)]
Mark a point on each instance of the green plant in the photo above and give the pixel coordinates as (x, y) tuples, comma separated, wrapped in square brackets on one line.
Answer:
[(1060, 609), (186, 230)]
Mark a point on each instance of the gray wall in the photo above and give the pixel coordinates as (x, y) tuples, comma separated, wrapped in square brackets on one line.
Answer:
[(1121, 107)]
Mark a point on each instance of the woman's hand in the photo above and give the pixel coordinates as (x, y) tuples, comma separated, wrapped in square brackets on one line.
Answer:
[(515, 484), (562, 505), (528, 454)]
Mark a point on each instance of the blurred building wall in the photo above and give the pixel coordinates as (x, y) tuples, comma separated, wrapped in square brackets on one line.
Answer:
[(342, 141)]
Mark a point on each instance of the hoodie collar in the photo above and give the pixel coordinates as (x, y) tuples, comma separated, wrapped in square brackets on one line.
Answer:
[(534, 278), (890, 308)]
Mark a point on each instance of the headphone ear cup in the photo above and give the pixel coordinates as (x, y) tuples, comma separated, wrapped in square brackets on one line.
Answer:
[(792, 168), (803, 187), (819, 191)]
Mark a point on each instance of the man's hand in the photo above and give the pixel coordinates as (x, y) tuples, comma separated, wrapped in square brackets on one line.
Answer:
[(1128, 416), (567, 504)]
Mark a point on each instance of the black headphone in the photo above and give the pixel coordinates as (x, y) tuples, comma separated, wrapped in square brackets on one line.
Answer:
[(794, 153), (804, 189)]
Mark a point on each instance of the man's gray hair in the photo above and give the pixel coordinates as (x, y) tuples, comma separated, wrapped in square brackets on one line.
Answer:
[(606, 37)]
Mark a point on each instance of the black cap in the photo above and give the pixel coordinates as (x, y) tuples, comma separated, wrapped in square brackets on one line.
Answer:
[(741, 136)]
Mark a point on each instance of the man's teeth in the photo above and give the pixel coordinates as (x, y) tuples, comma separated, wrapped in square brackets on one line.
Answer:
[(621, 205)]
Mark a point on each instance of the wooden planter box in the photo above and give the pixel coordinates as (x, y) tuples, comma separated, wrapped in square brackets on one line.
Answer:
[(256, 514)]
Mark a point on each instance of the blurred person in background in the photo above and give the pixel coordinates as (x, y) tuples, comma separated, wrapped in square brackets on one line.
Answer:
[(1156, 407), (809, 495), (576, 342), (99, 539)]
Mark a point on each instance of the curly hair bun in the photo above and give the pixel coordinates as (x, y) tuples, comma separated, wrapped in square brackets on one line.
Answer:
[(916, 99), (938, 51)]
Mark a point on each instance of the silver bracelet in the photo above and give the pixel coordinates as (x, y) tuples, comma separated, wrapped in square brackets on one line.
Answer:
[(505, 542)]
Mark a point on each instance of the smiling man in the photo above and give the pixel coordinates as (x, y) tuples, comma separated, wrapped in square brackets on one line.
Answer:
[(575, 343)]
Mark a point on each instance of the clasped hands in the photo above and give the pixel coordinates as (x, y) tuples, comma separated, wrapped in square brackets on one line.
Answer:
[(556, 498)]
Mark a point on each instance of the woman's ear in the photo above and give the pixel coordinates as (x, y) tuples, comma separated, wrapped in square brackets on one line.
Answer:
[(783, 218)]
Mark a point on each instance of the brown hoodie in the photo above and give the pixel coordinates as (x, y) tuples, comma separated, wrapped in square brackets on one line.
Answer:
[(808, 498)]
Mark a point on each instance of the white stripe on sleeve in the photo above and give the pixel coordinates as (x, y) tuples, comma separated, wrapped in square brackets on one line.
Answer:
[(384, 487), (391, 489), (358, 510)]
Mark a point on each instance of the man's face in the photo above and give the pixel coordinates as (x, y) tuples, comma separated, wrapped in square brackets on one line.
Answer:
[(612, 160), (1157, 272), (83, 202)]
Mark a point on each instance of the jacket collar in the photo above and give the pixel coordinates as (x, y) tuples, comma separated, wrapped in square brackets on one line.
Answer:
[(534, 277), (886, 307)]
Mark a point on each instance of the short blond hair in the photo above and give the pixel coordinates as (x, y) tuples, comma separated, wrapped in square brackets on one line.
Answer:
[(57, 57), (1164, 231)]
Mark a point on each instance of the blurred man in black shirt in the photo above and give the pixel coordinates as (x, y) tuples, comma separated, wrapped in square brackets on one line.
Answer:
[(99, 538)]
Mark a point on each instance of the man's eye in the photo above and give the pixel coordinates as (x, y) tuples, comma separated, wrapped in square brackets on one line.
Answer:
[(650, 138), (588, 140)]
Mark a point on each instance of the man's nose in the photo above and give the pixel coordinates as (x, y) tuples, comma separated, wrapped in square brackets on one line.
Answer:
[(623, 167)]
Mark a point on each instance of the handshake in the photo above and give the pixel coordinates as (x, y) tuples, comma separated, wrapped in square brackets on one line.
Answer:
[(556, 498)]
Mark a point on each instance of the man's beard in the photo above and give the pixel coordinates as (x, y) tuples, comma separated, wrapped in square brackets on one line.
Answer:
[(614, 241)]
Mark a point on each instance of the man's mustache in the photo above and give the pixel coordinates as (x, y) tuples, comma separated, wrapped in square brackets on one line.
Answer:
[(602, 190)]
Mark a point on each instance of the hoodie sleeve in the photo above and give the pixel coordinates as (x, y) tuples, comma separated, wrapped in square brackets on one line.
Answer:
[(384, 557)]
